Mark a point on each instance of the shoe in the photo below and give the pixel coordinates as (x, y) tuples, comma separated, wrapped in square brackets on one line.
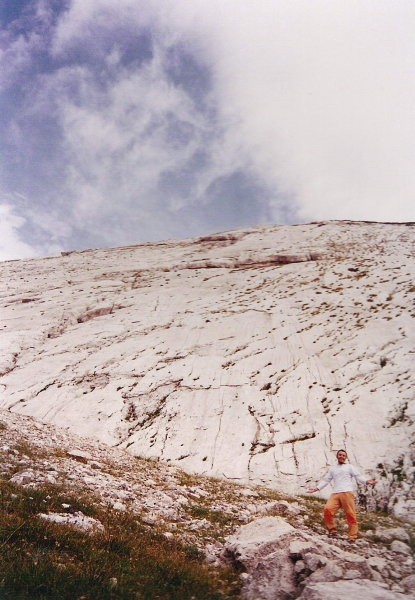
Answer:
[(333, 533)]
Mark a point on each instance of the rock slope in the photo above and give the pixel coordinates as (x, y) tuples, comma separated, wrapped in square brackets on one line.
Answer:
[(250, 355), (276, 542)]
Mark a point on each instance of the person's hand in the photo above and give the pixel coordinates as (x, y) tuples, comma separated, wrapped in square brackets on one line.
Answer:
[(371, 482), (312, 490)]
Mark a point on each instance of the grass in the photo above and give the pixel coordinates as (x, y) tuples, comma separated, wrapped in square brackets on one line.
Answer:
[(130, 560), (314, 512), (48, 561), (30, 451), (216, 517)]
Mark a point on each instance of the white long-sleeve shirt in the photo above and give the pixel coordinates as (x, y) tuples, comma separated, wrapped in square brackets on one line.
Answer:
[(343, 478)]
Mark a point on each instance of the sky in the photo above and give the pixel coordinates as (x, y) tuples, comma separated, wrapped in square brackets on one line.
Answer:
[(131, 121)]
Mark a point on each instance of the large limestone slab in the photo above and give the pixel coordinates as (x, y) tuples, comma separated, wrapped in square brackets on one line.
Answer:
[(345, 590), (279, 560)]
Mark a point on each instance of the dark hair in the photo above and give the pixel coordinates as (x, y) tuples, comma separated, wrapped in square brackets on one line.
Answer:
[(341, 450)]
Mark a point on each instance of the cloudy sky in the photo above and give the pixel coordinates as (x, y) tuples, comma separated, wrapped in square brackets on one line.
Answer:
[(125, 121)]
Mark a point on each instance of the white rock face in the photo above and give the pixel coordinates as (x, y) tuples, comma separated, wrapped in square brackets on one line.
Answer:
[(251, 355)]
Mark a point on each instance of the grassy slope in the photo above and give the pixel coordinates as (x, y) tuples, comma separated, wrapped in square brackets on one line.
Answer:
[(130, 560), (39, 559)]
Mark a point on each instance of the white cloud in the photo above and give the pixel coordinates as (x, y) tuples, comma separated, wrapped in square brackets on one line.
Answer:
[(13, 231), (15, 56), (122, 140), (314, 102), (86, 18), (319, 96), (323, 95), (18, 50), (11, 245)]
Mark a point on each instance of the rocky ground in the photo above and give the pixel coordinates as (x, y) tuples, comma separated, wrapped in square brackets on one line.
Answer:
[(276, 542)]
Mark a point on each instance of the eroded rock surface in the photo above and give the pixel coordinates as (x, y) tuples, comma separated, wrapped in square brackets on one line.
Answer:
[(250, 355), (282, 562), (345, 590)]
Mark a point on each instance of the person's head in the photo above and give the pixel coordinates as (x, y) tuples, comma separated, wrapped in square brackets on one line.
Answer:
[(341, 456)]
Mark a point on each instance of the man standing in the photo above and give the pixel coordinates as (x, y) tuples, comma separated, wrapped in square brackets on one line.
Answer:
[(343, 477)]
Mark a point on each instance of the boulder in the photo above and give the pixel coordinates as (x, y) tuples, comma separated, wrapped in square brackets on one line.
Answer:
[(252, 541), (298, 548), (344, 590), (377, 563), (314, 561), (24, 477), (271, 578), (31, 478), (79, 455), (331, 571), (400, 548), (261, 547), (77, 520), (280, 559), (391, 534)]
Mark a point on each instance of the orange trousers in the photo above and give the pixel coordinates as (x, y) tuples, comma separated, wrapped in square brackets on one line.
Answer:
[(345, 501)]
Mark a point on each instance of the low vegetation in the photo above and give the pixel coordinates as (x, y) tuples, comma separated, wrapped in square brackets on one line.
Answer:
[(137, 556), (44, 560)]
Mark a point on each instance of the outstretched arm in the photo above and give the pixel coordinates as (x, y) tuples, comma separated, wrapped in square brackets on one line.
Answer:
[(325, 481), (361, 479)]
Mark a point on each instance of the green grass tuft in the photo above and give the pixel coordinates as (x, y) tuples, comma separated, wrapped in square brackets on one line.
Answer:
[(199, 511)]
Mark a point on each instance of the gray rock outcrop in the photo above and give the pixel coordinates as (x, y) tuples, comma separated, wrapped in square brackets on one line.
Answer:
[(282, 562)]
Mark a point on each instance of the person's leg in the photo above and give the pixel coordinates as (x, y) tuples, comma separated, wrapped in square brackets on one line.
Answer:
[(348, 504), (332, 506)]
